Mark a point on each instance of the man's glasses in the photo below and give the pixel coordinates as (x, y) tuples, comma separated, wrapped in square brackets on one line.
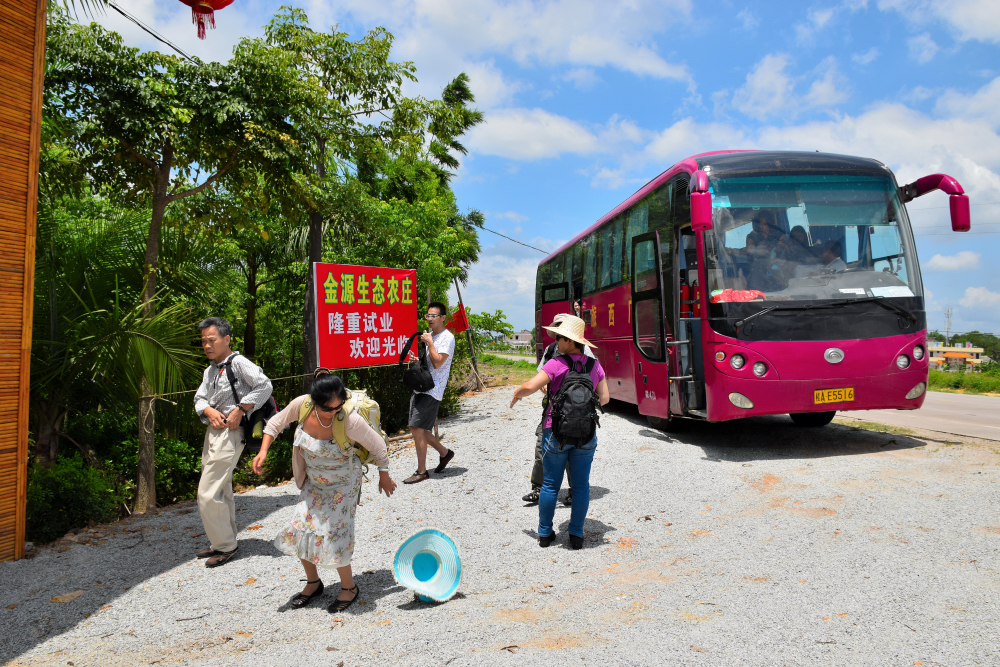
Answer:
[(325, 408), (431, 316)]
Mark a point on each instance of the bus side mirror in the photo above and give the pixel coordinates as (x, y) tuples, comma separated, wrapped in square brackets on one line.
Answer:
[(958, 201), (701, 202), (701, 211), (960, 219)]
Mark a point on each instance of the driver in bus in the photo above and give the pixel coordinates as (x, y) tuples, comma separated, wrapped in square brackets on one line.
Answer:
[(831, 257)]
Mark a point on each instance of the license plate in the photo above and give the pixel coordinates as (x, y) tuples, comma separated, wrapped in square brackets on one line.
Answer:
[(844, 395)]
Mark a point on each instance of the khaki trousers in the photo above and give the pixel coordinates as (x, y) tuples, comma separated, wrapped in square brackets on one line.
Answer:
[(219, 455)]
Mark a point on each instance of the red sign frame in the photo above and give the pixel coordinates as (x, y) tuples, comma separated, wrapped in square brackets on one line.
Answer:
[(364, 314)]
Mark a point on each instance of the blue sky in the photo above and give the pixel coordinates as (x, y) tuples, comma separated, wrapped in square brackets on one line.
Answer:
[(586, 100)]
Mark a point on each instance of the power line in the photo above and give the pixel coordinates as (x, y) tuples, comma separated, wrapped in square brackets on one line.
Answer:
[(516, 241), (149, 30)]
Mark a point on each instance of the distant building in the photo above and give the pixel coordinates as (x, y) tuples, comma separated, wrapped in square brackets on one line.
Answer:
[(521, 339), (954, 356)]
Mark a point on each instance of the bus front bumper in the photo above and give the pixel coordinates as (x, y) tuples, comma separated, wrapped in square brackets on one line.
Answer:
[(772, 397)]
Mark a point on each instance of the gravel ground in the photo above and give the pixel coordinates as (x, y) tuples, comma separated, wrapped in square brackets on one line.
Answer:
[(754, 542)]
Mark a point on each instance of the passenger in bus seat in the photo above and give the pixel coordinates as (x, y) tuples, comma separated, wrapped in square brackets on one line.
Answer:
[(832, 252)]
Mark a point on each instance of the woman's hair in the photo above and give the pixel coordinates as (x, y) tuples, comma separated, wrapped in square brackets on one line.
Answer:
[(325, 387)]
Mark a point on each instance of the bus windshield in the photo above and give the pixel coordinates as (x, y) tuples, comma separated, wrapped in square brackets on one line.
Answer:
[(808, 237)]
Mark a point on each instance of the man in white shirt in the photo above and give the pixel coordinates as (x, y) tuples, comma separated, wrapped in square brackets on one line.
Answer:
[(424, 405)]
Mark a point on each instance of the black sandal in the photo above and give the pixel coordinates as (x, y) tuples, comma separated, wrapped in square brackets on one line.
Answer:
[(531, 498), (340, 605), (301, 600)]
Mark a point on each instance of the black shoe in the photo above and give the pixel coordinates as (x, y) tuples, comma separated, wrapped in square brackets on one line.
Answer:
[(340, 605), (531, 498), (301, 600), (576, 542), (221, 559), (568, 500), (546, 540)]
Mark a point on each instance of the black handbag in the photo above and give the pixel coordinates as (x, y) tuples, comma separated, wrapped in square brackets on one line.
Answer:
[(258, 417), (416, 377)]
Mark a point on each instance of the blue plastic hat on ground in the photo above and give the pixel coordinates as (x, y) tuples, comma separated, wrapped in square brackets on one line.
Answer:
[(428, 563)]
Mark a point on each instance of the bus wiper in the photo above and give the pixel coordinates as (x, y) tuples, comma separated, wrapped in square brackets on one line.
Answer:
[(880, 300)]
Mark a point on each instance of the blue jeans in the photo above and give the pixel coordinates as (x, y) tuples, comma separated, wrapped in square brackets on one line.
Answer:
[(555, 458)]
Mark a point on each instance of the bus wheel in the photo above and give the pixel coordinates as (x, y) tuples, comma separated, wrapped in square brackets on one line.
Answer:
[(664, 423), (812, 419)]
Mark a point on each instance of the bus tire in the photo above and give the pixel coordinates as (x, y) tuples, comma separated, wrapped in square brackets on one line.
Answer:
[(664, 423), (812, 419)]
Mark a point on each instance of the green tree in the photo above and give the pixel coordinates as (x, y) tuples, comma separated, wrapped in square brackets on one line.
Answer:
[(147, 125)]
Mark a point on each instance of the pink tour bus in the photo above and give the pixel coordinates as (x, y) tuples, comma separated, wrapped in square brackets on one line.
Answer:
[(741, 283)]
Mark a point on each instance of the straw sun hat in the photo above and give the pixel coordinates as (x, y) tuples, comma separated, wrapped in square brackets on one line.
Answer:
[(570, 327)]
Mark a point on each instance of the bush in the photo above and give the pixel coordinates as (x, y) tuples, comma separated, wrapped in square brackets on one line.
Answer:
[(976, 383), (68, 494)]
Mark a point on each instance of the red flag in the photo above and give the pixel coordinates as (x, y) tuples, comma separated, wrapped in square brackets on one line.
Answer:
[(458, 321)]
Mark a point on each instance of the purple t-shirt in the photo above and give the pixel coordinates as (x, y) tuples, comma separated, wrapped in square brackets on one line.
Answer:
[(557, 369)]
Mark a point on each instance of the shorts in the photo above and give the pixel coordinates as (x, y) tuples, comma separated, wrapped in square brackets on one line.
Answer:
[(423, 411)]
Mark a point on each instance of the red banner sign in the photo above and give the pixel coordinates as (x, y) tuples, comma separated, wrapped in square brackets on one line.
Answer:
[(364, 314)]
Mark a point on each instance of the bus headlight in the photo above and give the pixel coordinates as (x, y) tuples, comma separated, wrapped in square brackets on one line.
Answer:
[(737, 361), (740, 401), (918, 353), (916, 391), (902, 361), (759, 369)]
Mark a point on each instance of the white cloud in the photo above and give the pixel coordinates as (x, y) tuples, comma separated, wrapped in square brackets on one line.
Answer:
[(867, 57), (980, 297), (767, 89), (983, 104), (828, 90), (531, 134), (513, 216), (747, 20), (922, 48), (770, 90), (490, 86), (582, 77), (446, 36), (816, 20), (965, 259), (967, 19)]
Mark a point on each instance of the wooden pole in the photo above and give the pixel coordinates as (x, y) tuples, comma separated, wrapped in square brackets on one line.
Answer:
[(472, 349)]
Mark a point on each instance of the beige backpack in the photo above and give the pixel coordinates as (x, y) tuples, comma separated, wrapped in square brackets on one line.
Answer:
[(357, 401)]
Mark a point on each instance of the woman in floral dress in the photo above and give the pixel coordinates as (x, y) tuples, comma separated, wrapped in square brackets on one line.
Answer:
[(321, 532)]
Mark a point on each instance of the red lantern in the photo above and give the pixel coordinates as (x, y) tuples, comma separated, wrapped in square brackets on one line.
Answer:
[(203, 11)]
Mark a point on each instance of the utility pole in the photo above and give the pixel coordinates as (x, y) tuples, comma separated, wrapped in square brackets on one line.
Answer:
[(947, 325)]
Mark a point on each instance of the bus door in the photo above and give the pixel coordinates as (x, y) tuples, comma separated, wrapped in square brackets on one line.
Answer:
[(555, 300), (690, 368), (649, 334)]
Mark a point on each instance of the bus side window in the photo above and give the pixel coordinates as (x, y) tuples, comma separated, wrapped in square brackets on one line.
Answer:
[(611, 252), (577, 276), (591, 262), (637, 223)]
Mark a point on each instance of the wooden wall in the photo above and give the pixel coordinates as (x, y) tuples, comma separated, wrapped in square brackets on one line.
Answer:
[(22, 66)]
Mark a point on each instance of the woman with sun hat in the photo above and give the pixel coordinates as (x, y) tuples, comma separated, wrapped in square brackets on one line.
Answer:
[(555, 456)]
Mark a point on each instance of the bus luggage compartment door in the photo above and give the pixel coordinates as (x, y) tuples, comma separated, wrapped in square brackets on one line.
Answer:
[(652, 382)]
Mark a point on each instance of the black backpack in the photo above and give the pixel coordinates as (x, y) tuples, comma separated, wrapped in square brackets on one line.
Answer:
[(417, 377), (253, 423), (575, 405)]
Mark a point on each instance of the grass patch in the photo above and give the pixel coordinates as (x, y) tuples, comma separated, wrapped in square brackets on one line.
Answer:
[(873, 426), (506, 371), (966, 383)]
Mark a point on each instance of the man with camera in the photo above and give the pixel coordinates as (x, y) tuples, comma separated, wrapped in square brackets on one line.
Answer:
[(424, 405), (216, 404)]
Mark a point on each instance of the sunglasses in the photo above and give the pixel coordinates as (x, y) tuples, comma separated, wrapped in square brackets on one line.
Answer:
[(321, 371), (431, 316), (562, 338), (324, 408)]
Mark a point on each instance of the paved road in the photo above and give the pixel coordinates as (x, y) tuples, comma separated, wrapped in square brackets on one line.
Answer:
[(961, 414), (751, 542)]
